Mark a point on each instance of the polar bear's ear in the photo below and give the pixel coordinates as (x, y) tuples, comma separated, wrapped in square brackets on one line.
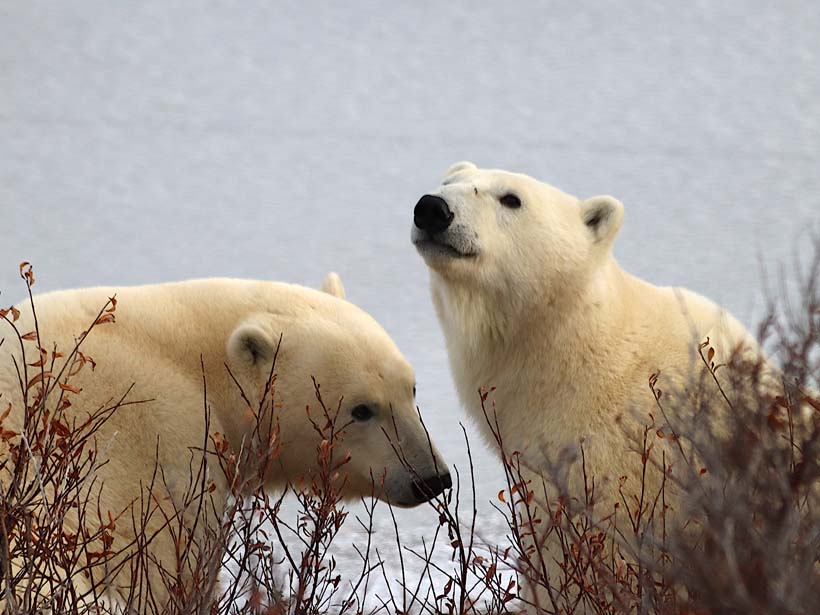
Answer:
[(464, 165), (602, 215), (333, 285), (250, 345)]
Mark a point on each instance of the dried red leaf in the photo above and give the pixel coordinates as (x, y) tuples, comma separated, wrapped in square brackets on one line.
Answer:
[(28, 274), (68, 387), (38, 378), (87, 359), (105, 318), (42, 359), (60, 428)]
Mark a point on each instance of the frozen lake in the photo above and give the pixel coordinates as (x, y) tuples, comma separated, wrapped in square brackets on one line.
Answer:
[(168, 140)]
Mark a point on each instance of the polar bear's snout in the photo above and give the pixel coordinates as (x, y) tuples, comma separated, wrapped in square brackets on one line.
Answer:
[(428, 488), (432, 214), (438, 234)]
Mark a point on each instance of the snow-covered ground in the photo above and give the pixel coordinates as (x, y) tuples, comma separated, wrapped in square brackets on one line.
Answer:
[(152, 141)]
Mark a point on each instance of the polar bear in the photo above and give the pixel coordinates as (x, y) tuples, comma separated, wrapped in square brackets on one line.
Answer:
[(171, 343), (532, 302)]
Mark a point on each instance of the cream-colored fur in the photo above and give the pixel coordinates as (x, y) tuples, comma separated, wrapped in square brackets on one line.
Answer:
[(163, 331), (533, 303)]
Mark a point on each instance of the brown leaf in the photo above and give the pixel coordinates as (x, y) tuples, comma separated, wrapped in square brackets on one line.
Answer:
[(501, 496), (28, 274), (38, 378), (87, 359), (113, 307), (105, 318), (5, 414), (30, 336), (60, 428), (42, 360), (67, 387), (711, 354), (15, 314)]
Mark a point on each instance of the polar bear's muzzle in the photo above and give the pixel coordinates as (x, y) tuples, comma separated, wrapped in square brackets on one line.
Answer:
[(429, 488), (435, 234)]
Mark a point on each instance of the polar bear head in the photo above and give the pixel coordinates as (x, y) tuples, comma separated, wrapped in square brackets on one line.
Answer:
[(366, 385), (510, 237)]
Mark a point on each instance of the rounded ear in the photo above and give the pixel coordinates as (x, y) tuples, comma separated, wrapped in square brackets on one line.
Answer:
[(333, 285), (250, 345), (464, 165), (602, 215)]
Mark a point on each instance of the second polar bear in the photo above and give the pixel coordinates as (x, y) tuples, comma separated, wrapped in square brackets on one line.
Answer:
[(533, 303), (178, 347)]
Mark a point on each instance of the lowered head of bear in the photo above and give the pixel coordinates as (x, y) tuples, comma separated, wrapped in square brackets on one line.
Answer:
[(366, 384), (509, 236)]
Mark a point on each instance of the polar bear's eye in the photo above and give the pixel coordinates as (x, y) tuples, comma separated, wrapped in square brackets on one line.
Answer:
[(362, 413), (510, 200)]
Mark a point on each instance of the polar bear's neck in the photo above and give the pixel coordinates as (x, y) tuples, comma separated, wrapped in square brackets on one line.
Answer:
[(492, 340), (504, 319)]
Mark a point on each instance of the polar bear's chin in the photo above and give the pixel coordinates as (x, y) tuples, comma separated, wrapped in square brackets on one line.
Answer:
[(402, 503), (437, 254), (405, 500)]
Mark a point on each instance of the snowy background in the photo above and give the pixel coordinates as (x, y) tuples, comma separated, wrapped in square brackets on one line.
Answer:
[(155, 141)]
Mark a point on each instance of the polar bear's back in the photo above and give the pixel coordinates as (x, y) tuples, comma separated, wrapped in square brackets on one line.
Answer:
[(159, 338)]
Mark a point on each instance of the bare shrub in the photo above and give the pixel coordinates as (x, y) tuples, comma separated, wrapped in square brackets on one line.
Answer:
[(746, 538)]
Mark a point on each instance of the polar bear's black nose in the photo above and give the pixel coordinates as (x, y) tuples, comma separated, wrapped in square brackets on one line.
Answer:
[(428, 488), (432, 214)]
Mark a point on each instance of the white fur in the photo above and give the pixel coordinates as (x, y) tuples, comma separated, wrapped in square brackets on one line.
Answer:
[(161, 333)]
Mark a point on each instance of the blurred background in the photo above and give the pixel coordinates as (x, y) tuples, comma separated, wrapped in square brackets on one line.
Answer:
[(155, 141)]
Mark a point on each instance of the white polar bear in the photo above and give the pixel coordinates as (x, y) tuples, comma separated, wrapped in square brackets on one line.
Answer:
[(161, 334), (533, 303)]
